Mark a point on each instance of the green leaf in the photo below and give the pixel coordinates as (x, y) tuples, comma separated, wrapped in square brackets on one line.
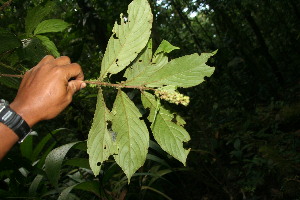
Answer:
[(132, 135), (78, 162), (51, 25), (128, 38), (100, 142), (35, 184), (54, 161), (33, 50), (36, 15), (142, 61), (40, 146), (26, 147), (186, 71), (168, 134), (90, 186), (8, 41), (50, 46), (165, 47), (139, 73)]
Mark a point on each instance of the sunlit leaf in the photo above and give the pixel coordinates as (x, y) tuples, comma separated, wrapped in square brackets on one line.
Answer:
[(186, 71), (139, 72), (132, 135), (168, 134), (128, 38), (100, 141)]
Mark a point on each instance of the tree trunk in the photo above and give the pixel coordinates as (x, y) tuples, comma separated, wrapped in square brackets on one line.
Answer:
[(263, 46), (187, 23)]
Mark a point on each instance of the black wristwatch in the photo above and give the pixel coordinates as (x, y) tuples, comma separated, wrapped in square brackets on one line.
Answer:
[(14, 121)]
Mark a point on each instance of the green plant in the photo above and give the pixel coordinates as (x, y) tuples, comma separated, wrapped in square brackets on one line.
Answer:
[(121, 132)]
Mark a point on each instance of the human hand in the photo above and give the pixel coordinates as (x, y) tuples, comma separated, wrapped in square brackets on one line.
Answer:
[(47, 89)]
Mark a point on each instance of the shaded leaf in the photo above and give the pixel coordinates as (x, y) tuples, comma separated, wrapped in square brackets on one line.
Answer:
[(51, 25), (78, 162), (8, 41), (132, 135), (54, 161), (50, 46), (35, 184), (90, 186), (128, 38), (36, 15)]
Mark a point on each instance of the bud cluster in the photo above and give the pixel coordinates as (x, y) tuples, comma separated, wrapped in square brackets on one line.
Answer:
[(173, 97)]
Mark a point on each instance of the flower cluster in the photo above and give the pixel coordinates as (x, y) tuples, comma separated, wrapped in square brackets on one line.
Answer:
[(173, 97)]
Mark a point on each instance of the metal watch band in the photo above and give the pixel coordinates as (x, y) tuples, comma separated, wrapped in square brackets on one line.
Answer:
[(15, 122)]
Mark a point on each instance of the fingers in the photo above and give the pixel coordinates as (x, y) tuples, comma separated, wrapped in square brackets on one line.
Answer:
[(74, 71), (74, 86), (63, 60), (46, 59)]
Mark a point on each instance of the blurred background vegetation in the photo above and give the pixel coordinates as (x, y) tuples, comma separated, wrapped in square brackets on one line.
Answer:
[(244, 121)]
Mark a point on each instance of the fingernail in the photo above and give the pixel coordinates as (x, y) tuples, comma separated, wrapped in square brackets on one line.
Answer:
[(83, 85)]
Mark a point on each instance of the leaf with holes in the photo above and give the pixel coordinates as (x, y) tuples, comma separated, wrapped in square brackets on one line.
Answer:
[(167, 133), (128, 38), (132, 135), (100, 143)]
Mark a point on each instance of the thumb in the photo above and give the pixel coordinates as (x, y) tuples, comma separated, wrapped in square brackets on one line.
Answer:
[(75, 85)]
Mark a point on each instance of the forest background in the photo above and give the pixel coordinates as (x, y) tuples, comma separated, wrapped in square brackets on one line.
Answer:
[(244, 120)]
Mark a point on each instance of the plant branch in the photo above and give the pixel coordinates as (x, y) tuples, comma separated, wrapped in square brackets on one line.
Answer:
[(6, 4), (99, 83)]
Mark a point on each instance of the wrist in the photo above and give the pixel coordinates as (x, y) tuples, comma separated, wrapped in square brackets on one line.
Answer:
[(25, 113)]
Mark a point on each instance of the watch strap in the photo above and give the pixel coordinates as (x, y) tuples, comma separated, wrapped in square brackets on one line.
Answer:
[(15, 122)]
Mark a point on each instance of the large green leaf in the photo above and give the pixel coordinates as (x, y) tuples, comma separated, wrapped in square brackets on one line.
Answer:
[(50, 46), (54, 161), (132, 135), (36, 15), (8, 41), (128, 38), (169, 135), (51, 25), (144, 67), (141, 63), (100, 144), (186, 71)]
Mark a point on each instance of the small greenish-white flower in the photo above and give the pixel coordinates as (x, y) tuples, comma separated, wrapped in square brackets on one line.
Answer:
[(172, 97)]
